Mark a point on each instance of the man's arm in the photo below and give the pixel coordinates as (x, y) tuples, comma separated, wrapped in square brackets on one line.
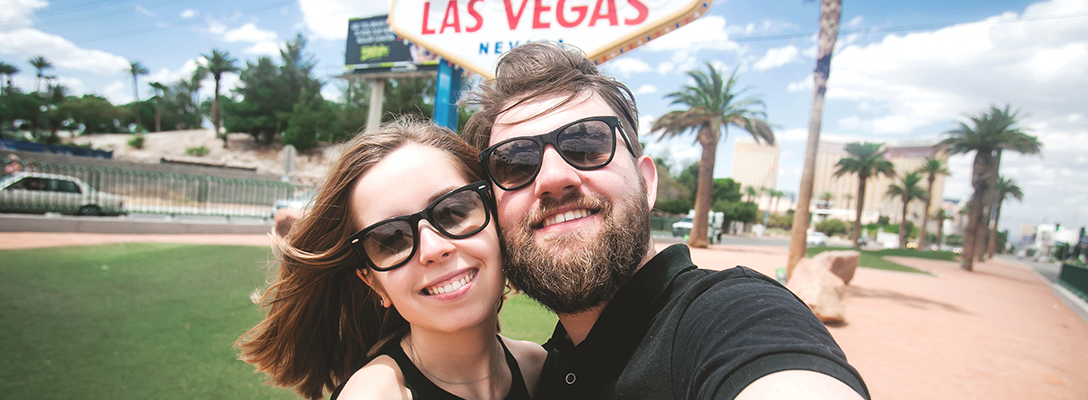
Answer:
[(797, 384)]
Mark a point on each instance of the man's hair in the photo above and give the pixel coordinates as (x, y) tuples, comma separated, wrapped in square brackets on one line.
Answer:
[(540, 69), (323, 321)]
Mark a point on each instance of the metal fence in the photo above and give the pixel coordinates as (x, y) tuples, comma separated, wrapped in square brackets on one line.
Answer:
[(151, 191)]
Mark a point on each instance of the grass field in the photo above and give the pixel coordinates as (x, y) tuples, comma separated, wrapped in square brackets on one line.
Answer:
[(875, 258), (147, 321)]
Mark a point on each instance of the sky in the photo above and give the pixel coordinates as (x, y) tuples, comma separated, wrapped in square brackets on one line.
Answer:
[(902, 72)]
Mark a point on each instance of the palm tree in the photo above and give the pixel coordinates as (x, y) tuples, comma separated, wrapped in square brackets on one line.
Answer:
[(930, 169), (217, 64), (776, 195), (41, 64), (939, 217), (160, 93), (1006, 188), (907, 190), (752, 193), (7, 70), (830, 14), (866, 160), (713, 105), (992, 131), (136, 69), (826, 198)]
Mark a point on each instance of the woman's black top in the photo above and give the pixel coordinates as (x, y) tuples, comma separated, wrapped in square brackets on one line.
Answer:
[(423, 389)]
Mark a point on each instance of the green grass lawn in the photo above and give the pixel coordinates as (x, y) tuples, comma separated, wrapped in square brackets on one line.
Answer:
[(147, 321), (875, 258)]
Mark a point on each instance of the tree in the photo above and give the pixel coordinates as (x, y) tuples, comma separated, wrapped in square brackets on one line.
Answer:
[(218, 63), (907, 190), (41, 64), (752, 193), (95, 114), (830, 14), (7, 70), (713, 104), (826, 198), (136, 69), (866, 160), (930, 169), (160, 96), (940, 217), (990, 132), (776, 195), (311, 119), (1006, 188)]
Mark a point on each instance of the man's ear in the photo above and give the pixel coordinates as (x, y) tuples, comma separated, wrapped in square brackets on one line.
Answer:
[(648, 171), (368, 278)]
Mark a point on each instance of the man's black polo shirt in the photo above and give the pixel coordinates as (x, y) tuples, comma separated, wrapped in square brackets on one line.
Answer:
[(677, 332)]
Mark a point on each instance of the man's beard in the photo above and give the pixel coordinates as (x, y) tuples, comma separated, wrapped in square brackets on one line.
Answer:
[(577, 272)]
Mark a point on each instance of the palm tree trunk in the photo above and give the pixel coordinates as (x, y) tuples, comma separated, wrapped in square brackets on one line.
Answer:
[(830, 14), (708, 138), (980, 183), (215, 113), (940, 233), (992, 202), (903, 228), (136, 104), (993, 232), (925, 214), (857, 214)]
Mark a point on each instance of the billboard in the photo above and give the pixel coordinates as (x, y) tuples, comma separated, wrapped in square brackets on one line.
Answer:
[(372, 48), (474, 33)]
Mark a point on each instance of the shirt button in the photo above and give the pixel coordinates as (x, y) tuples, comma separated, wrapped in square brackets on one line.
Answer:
[(571, 378)]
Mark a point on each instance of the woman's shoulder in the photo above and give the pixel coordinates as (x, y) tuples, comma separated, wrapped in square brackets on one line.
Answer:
[(381, 378), (530, 357)]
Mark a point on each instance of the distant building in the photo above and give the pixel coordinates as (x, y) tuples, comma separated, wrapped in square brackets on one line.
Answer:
[(755, 165), (905, 156)]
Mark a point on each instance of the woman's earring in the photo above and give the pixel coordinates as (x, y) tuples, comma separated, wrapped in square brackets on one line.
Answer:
[(383, 301)]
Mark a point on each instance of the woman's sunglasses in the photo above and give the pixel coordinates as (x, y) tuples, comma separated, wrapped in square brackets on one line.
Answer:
[(389, 244), (585, 144)]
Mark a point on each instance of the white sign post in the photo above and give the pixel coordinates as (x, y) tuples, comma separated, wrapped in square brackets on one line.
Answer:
[(474, 33)]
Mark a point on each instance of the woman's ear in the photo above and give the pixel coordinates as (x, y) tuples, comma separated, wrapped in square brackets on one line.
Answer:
[(368, 278)]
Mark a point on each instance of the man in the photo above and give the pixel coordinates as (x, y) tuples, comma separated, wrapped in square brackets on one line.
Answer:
[(574, 192)]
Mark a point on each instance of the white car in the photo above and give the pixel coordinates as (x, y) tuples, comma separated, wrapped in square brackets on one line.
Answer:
[(815, 239), (681, 227), (33, 192)]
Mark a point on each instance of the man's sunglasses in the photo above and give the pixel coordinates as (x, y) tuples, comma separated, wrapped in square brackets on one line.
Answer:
[(585, 144), (389, 244)]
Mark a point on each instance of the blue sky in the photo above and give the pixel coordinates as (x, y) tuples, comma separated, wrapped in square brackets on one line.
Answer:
[(903, 71)]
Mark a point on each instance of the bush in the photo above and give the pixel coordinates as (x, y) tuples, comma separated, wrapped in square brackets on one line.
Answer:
[(832, 227), (784, 222), (137, 142), (196, 151)]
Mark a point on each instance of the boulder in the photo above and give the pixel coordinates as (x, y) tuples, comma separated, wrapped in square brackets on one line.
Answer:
[(822, 290), (842, 263)]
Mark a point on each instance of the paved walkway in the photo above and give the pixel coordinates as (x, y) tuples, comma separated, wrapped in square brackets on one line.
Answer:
[(996, 333)]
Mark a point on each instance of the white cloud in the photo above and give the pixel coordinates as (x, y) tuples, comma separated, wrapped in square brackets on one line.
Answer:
[(804, 85), (777, 57), (19, 13), (189, 13), (271, 49), (855, 22), (61, 52), (215, 27), (625, 66), (791, 135), (249, 33), (706, 33), (145, 11), (646, 89), (328, 19), (118, 92)]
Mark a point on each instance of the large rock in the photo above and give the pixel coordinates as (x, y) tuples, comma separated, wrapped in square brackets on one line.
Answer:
[(842, 263), (822, 290)]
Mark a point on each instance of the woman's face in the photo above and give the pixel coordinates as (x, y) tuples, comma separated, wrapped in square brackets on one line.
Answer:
[(425, 290)]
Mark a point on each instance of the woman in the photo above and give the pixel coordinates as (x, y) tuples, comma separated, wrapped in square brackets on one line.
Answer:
[(390, 286)]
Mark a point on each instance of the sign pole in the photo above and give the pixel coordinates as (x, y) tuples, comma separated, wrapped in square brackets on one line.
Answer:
[(374, 113), (446, 95)]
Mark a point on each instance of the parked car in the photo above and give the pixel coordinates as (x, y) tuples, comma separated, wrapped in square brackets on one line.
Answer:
[(299, 202), (33, 192), (682, 227), (815, 239)]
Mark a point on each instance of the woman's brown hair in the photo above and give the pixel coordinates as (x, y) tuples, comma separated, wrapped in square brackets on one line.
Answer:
[(324, 322)]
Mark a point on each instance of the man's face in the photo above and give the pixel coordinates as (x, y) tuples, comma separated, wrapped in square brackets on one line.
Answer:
[(572, 237)]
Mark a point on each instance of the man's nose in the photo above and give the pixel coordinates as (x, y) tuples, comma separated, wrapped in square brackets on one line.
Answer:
[(556, 176)]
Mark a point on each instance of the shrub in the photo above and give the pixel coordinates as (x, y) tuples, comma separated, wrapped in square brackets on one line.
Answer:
[(137, 142), (832, 227), (196, 151)]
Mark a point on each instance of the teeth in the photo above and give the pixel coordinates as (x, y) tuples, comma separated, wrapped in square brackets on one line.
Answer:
[(564, 217), (452, 286)]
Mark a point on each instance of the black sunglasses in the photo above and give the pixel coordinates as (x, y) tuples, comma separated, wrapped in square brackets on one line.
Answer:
[(389, 244), (585, 144)]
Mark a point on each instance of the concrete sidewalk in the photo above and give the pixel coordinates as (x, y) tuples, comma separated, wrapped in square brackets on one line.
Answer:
[(999, 332)]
